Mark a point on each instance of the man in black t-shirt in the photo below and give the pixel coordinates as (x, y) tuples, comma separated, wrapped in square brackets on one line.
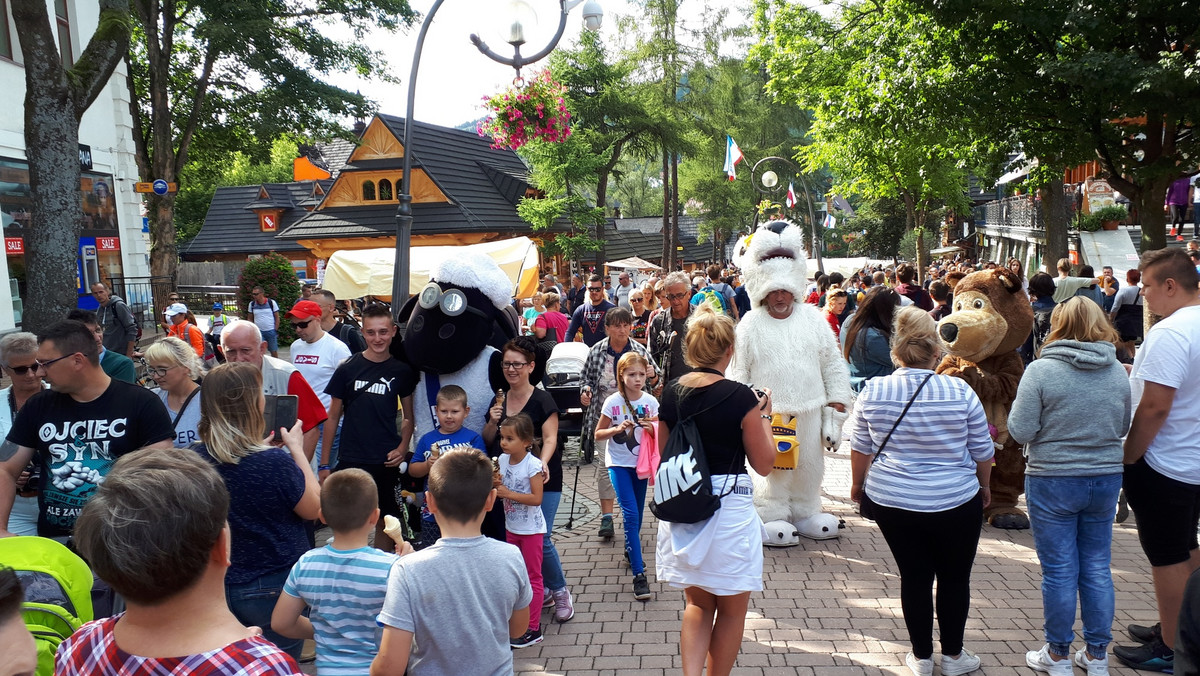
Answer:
[(365, 388), (76, 430)]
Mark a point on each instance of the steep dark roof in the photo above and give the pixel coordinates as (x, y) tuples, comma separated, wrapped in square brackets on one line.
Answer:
[(483, 185), (335, 153), (230, 227), (634, 237)]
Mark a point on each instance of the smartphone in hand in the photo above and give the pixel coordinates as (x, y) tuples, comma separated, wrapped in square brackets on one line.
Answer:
[(281, 411)]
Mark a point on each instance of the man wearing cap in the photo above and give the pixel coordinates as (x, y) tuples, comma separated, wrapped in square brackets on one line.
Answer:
[(177, 316), (217, 324), (316, 356)]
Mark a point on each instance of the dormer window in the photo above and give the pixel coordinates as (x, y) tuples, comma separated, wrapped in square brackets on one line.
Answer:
[(385, 189), (368, 191)]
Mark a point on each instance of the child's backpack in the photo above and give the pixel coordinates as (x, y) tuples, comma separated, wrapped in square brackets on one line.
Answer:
[(712, 297), (683, 483), (58, 592)]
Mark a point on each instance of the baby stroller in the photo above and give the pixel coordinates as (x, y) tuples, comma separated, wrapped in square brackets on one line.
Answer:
[(564, 382)]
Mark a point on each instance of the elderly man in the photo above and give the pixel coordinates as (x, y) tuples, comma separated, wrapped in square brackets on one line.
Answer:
[(669, 328), (76, 430), (550, 283), (120, 328), (242, 341)]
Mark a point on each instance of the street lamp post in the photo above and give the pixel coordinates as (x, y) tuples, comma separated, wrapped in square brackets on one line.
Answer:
[(593, 14), (767, 182)]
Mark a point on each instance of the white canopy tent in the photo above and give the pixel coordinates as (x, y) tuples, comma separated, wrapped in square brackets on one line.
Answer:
[(368, 272)]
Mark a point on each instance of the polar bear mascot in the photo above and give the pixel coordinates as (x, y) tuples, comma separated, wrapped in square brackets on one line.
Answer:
[(786, 346)]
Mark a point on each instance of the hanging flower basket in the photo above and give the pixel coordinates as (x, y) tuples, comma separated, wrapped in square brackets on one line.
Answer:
[(526, 112)]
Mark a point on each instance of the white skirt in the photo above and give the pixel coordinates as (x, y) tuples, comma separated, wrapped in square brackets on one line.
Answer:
[(723, 555)]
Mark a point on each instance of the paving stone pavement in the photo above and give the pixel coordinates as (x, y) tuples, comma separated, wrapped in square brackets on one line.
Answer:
[(829, 608)]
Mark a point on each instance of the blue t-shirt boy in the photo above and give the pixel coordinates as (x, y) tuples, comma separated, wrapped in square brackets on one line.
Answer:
[(446, 441)]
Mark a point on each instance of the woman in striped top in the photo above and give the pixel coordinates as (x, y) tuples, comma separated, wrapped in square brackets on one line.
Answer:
[(929, 486)]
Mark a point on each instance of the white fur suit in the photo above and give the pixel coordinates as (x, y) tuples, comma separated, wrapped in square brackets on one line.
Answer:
[(798, 359)]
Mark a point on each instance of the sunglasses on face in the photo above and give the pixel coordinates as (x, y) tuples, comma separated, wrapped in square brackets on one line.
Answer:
[(676, 296), (595, 288), (302, 325), (22, 370), (635, 300)]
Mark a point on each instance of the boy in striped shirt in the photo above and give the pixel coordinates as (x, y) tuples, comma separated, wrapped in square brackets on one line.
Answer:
[(343, 583)]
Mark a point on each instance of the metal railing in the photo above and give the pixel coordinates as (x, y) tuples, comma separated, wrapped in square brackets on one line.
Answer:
[(1021, 211), (144, 295)]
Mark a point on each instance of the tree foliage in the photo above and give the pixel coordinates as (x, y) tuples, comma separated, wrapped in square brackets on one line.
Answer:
[(274, 273), (56, 96), (218, 75)]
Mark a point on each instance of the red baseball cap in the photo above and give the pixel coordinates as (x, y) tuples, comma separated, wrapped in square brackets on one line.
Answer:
[(305, 309)]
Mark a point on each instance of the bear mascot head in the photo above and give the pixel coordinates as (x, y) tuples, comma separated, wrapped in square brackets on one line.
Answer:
[(991, 315), (772, 258)]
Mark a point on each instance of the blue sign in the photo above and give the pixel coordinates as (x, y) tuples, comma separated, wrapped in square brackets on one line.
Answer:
[(160, 187)]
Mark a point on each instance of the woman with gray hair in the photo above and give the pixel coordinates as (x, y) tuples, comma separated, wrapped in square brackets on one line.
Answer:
[(924, 437), (175, 368), (18, 351)]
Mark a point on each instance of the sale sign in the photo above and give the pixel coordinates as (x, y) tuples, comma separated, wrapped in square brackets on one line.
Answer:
[(108, 243), (14, 246)]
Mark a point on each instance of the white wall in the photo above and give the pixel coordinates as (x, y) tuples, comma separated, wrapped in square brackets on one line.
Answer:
[(107, 127)]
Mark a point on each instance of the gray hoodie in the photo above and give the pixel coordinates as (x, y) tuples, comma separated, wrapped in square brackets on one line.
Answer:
[(1072, 408)]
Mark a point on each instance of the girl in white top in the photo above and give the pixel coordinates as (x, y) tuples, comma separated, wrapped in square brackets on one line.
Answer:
[(625, 417), (521, 489)]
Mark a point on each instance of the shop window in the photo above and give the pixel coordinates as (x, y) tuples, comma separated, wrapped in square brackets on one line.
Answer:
[(63, 21), (385, 189), (6, 49), (368, 190)]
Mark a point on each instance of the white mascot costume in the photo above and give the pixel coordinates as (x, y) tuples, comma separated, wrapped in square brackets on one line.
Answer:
[(798, 359)]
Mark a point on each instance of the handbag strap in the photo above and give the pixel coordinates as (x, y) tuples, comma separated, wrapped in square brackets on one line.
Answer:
[(183, 409), (902, 414)]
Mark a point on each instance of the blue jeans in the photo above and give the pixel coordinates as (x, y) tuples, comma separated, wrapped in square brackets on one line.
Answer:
[(552, 572), (631, 494), (1071, 519), (327, 459), (253, 602)]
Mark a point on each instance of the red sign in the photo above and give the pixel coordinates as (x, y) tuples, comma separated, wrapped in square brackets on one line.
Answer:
[(108, 243), (267, 222), (14, 246)]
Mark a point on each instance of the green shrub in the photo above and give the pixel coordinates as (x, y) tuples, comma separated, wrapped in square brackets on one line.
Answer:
[(1087, 222), (274, 273), (1111, 213)]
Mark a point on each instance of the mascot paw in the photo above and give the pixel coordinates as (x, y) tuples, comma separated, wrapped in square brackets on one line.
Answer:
[(831, 427), (781, 534), (818, 527), (1016, 521)]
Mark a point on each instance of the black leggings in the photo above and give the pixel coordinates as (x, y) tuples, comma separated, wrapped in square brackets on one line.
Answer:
[(929, 545)]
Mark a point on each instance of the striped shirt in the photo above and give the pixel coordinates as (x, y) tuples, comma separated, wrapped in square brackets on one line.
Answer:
[(344, 590), (929, 463), (93, 651)]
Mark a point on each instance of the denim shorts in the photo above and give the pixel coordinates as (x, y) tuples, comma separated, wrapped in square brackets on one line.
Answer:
[(272, 338)]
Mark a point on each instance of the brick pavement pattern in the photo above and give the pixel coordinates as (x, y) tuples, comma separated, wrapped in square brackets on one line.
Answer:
[(829, 608)]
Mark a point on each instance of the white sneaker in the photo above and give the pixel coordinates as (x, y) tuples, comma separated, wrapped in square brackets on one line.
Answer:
[(966, 662), (919, 667), (1040, 660), (1094, 666)]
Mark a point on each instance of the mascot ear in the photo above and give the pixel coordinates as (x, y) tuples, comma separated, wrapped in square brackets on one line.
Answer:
[(1008, 279)]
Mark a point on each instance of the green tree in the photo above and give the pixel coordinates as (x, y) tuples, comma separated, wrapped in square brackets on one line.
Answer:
[(274, 273), (200, 180), (879, 87), (56, 96), (1113, 81), (220, 74)]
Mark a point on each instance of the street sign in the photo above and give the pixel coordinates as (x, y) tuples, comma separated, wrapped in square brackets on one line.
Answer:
[(159, 187)]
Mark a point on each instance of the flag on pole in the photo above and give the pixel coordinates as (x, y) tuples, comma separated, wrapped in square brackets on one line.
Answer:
[(830, 221), (791, 200), (733, 155)]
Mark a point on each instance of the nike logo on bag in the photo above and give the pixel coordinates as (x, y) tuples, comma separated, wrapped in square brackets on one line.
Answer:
[(676, 475)]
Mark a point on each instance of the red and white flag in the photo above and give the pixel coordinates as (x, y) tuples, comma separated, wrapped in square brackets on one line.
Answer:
[(733, 155), (791, 200)]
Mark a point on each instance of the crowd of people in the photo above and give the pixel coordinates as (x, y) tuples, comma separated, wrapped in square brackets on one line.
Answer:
[(196, 504)]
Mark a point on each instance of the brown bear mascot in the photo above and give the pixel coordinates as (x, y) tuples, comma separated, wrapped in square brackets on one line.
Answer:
[(991, 318)]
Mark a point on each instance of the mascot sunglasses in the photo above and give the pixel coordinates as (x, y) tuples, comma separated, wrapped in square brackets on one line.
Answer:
[(452, 302)]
